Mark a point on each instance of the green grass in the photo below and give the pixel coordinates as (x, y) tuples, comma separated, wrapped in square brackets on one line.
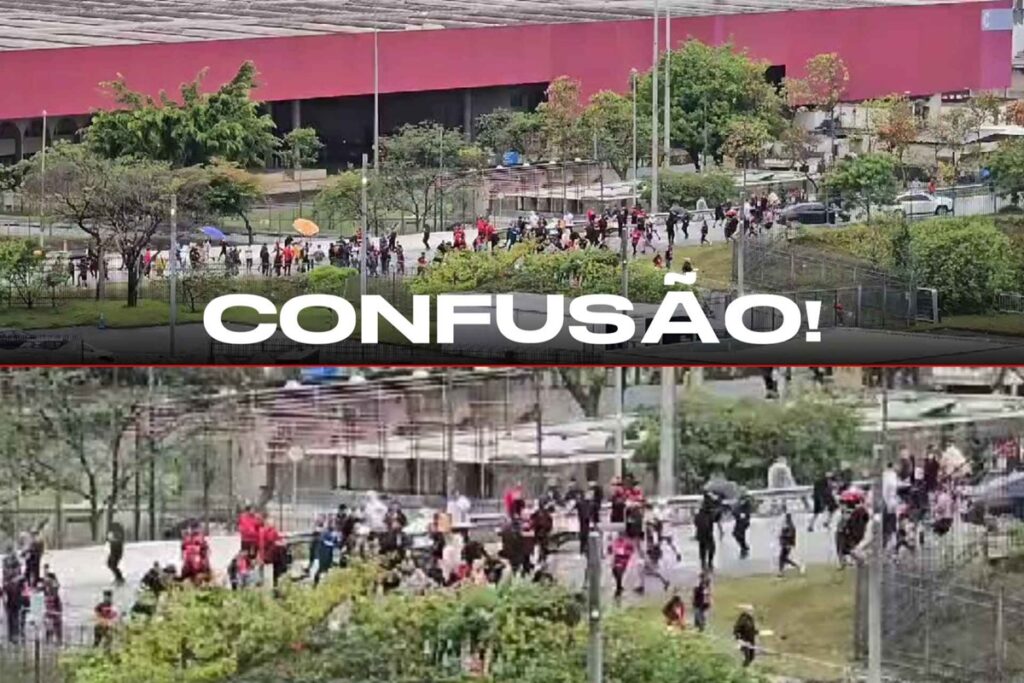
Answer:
[(1003, 324), (713, 263), (154, 313), (811, 616)]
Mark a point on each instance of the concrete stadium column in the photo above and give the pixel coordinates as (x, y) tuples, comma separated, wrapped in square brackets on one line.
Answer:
[(934, 108), (19, 142), (296, 114), (467, 113)]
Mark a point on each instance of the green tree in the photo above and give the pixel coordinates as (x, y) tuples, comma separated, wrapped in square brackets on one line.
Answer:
[(12, 175), (745, 141), (232, 191), (22, 269), (712, 85), (1007, 166), (416, 165), (226, 124), (341, 200), (505, 130), (608, 122), (866, 181), (561, 119), (300, 149)]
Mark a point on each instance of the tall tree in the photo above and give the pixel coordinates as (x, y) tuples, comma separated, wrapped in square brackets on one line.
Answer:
[(340, 199), (560, 116), (1007, 165), (746, 140), (895, 125), (301, 149), (824, 84), (711, 85), (507, 130), (608, 122), (951, 131), (226, 124), (867, 181), (231, 191)]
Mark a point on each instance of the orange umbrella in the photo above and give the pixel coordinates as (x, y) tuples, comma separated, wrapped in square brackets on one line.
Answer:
[(305, 227)]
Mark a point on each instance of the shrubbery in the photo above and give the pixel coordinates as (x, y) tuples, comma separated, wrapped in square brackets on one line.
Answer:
[(210, 634), (329, 280), (741, 438)]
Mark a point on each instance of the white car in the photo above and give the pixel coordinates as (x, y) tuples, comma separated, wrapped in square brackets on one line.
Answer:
[(917, 204)]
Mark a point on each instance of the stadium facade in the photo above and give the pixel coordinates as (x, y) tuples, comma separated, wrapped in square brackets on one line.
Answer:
[(452, 61)]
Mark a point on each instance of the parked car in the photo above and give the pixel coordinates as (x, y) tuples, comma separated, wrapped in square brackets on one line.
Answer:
[(810, 213), (916, 204)]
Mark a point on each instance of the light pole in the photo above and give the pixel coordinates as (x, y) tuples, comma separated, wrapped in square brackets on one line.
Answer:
[(666, 460), (172, 274), (376, 102), (654, 117), (595, 639), (42, 186), (876, 565), (668, 81), (633, 76), (363, 240)]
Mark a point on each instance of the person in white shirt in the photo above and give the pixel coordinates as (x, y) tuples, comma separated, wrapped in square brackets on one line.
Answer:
[(458, 510)]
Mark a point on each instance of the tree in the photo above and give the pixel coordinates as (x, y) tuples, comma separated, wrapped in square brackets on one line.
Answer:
[(823, 86), (22, 268), (341, 199), (895, 125), (560, 119), (12, 175), (585, 385), (986, 107), (301, 149), (415, 165), (1015, 113), (866, 181), (225, 124), (232, 191), (951, 131), (608, 121), (506, 130), (796, 145), (1007, 166), (684, 189), (745, 140), (711, 85)]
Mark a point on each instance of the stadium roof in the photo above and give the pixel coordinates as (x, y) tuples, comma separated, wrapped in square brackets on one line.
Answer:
[(49, 24)]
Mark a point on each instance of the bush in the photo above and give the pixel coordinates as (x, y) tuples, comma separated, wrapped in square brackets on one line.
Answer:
[(684, 189), (329, 280), (741, 438), (206, 635)]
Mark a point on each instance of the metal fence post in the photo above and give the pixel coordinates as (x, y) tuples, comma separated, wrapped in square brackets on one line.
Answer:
[(1000, 640), (860, 300), (37, 656)]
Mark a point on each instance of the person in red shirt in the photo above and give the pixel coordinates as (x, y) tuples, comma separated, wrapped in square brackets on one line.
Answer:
[(106, 619), (621, 551), (249, 524), (272, 550), (512, 497)]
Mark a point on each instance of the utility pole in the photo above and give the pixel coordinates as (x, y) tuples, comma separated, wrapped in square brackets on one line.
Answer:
[(364, 239), (668, 82), (42, 187), (666, 460), (152, 455), (620, 418), (632, 78), (172, 275), (539, 415), (440, 178), (654, 118), (741, 247), (704, 150), (877, 563), (449, 426), (595, 641), (376, 103)]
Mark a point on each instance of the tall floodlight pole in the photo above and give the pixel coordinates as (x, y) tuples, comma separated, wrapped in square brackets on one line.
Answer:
[(376, 102), (668, 82), (633, 76), (364, 238), (666, 459), (172, 275), (876, 566), (595, 640), (42, 186), (654, 117)]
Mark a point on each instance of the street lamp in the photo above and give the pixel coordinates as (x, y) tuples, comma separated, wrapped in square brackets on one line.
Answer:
[(363, 240), (632, 77), (654, 117), (376, 102)]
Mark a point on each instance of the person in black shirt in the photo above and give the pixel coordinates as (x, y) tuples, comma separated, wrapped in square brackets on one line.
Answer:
[(115, 539), (745, 632), (741, 523), (704, 524), (824, 500)]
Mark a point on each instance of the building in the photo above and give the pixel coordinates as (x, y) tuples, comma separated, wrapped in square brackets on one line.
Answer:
[(451, 62)]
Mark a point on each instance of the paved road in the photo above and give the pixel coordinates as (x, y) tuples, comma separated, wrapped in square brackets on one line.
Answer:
[(84, 575)]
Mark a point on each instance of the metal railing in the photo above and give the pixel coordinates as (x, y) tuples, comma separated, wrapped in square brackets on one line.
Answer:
[(1010, 302)]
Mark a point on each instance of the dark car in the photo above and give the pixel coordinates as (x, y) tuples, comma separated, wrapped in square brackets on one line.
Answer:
[(830, 128), (809, 213)]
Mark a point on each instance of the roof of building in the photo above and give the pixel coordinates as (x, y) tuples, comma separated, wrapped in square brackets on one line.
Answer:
[(48, 24)]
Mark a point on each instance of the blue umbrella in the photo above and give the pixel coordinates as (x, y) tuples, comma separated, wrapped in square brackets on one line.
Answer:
[(213, 233)]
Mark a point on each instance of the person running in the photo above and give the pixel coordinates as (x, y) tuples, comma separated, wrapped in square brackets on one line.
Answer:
[(704, 233), (741, 514), (652, 556), (264, 261), (704, 524), (621, 551), (426, 237), (249, 524), (701, 601), (115, 551), (824, 500), (105, 614), (787, 542)]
